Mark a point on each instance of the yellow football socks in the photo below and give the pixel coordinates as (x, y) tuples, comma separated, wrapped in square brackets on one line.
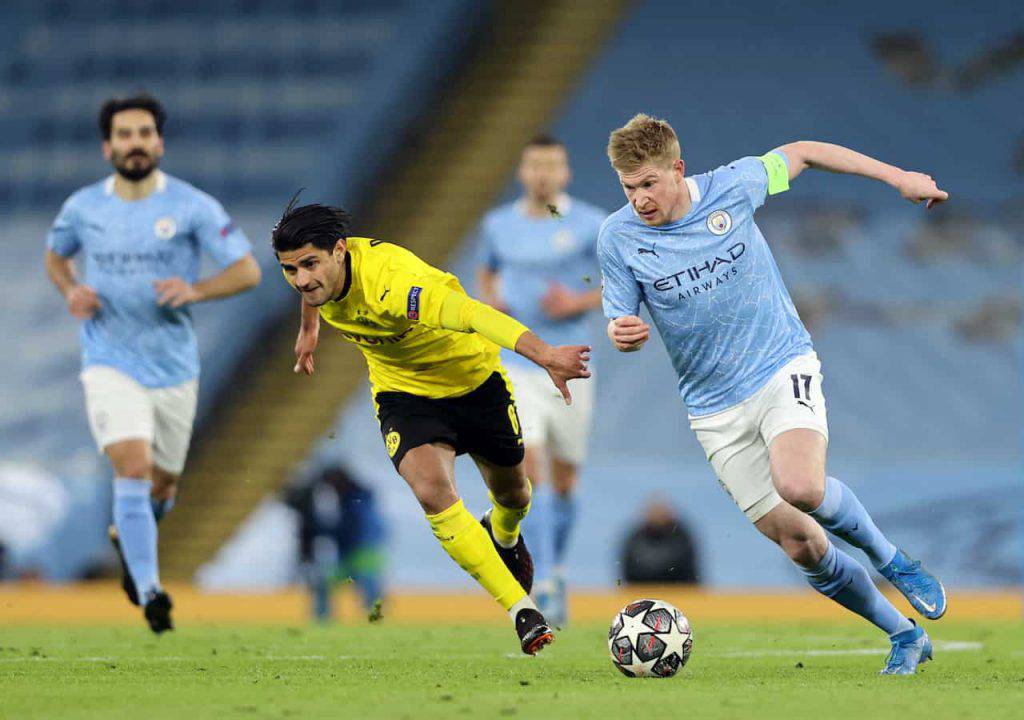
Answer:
[(505, 521), (465, 540)]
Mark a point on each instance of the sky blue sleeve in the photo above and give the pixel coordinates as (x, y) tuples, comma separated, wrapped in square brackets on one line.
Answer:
[(217, 233), (63, 237), (620, 292), (750, 175)]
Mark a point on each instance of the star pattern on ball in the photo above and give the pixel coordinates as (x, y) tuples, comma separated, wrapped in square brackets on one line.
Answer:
[(633, 627)]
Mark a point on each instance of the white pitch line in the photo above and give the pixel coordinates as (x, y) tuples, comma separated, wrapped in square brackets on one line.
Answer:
[(177, 658), (950, 646)]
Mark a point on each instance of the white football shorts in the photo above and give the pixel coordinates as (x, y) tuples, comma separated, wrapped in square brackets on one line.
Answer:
[(736, 439), (544, 418), (119, 408)]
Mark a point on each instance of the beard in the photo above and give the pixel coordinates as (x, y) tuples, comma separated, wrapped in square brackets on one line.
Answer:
[(135, 166)]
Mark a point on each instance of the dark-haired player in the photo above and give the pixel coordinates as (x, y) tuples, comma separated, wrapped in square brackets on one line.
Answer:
[(437, 384), (138, 235)]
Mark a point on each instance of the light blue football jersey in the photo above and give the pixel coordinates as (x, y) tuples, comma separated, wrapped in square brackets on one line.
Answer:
[(124, 247), (711, 286), (533, 253)]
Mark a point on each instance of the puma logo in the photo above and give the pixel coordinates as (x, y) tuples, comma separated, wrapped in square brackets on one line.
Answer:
[(652, 251), (806, 405), (386, 291)]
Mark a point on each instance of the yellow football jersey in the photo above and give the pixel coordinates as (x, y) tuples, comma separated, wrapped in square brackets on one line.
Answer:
[(390, 308)]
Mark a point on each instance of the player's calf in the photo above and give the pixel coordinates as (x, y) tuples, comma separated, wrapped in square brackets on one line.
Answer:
[(830, 571)]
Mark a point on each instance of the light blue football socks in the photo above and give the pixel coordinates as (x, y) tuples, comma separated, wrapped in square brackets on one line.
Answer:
[(842, 514), (841, 578), (563, 517), (136, 530), (539, 534)]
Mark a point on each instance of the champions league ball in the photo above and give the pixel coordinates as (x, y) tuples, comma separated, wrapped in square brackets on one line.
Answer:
[(650, 638)]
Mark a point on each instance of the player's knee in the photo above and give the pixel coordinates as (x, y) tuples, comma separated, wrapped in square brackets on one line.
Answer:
[(803, 491), (801, 548), (434, 491), (803, 541)]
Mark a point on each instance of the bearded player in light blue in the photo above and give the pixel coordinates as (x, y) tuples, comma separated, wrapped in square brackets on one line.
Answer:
[(688, 248), (139, 234), (540, 253)]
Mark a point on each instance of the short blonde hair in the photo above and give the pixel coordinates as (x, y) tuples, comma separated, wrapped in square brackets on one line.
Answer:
[(644, 140)]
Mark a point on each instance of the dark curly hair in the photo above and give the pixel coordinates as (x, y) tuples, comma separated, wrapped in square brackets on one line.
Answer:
[(141, 101)]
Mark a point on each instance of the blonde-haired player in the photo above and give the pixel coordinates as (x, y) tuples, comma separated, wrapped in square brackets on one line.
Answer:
[(689, 249)]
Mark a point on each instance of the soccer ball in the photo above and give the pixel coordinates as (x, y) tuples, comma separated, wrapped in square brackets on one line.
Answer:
[(649, 638)]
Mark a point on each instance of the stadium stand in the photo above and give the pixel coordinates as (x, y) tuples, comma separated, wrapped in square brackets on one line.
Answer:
[(253, 102), (916, 317)]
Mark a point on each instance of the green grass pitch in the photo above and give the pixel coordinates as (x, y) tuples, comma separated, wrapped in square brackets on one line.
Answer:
[(779, 670)]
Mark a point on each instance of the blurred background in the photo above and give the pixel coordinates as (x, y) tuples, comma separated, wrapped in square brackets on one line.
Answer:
[(412, 113)]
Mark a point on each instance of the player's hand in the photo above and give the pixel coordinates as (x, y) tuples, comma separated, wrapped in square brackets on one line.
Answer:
[(559, 302), (305, 345), (567, 362), (628, 333), (83, 302), (918, 187), (175, 292)]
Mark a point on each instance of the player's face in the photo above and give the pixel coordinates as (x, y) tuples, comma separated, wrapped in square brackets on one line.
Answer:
[(544, 172), (657, 193), (316, 274), (134, 147)]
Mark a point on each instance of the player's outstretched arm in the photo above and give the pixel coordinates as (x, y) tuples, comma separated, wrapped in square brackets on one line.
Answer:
[(628, 333), (462, 313), (914, 186), (240, 275), (305, 344)]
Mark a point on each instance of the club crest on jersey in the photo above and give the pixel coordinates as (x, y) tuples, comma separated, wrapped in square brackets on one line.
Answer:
[(719, 222), (412, 303), (165, 228)]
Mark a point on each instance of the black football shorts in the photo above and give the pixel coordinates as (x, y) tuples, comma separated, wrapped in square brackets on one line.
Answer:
[(483, 422)]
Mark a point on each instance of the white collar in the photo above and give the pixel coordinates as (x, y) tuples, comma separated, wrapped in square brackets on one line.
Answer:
[(691, 185), (161, 183)]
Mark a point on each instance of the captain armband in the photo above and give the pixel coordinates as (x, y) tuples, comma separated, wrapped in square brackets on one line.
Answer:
[(778, 172)]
